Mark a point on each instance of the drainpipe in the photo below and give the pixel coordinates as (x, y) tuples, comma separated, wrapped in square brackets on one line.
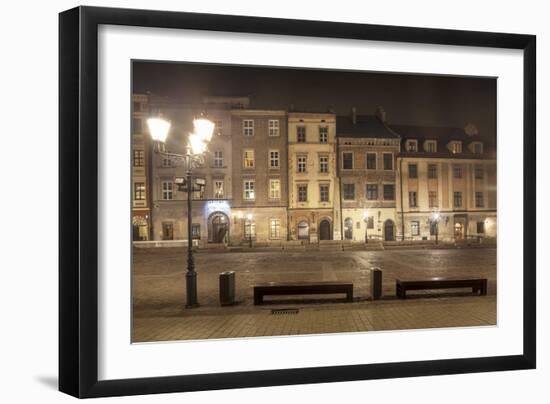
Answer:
[(401, 194)]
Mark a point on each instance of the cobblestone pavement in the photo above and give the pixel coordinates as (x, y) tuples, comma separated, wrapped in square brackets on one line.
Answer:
[(159, 293)]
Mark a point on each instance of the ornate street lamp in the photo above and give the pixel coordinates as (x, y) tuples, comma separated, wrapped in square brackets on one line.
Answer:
[(196, 146)]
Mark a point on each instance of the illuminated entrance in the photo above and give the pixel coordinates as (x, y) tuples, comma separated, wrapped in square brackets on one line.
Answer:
[(218, 228)]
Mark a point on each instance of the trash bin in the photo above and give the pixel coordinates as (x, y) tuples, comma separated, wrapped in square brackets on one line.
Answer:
[(227, 288), (376, 283)]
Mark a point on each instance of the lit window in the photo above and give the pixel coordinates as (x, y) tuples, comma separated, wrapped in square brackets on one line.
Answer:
[(415, 228), (323, 134), (274, 159), (248, 158), (275, 229), (456, 147), (302, 164), (218, 189), (249, 229), (167, 190), (196, 231), (249, 186), (301, 134), (139, 158), (273, 127), (248, 127), (323, 164), (431, 146), (218, 158), (274, 189), (412, 146), (139, 191)]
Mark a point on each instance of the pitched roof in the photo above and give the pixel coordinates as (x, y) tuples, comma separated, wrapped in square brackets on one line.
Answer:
[(365, 126)]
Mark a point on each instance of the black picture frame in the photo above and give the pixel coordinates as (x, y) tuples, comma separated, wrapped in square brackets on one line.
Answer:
[(78, 206)]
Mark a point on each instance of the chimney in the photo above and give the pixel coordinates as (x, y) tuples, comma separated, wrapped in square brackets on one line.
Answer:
[(381, 114), (354, 115)]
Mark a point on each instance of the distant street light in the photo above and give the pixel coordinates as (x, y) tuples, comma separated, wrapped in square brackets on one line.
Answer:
[(197, 144)]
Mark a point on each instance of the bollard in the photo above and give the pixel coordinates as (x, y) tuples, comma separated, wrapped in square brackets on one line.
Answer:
[(376, 283), (227, 288)]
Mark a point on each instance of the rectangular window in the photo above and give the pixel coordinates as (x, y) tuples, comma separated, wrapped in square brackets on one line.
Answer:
[(323, 134), (349, 192), (273, 126), (432, 171), (196, 231), (167, 162), (415, 228), (167, 231), (479, 172), (347, 160), (323, 193), (167, 190), (431, 146), (478, 148), (371, 161), (457, 199), (372, 192), (370, 222), (412, 146), (479, 200), (249, 188), (432, 199), (457, 172), (302, 193), (275, 229), (456, 147), (139, 191), (218, 159), (248, 127), (412, 199), (250, 229), (323, 164), (413, 171), (388, 161), (302, 164), (248, 158), (274, 159), (301, 134), (218, 189), (218, 126), (389, 192), (139, 158), (480, 227), (274, 189), (198, 193)]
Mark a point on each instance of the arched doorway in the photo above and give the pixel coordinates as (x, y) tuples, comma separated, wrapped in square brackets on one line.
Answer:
[(324, 230), (303, 230), (218, 228), (389, 230), (348, 229)]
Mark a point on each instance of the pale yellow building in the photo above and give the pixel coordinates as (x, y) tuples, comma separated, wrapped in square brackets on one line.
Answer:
[(313, 191), (141, 155)]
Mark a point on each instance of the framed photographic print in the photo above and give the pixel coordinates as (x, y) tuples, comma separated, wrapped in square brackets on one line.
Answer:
[(252, 202)]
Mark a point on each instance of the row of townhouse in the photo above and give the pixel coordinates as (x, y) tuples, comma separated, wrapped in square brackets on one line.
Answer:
[(275, 175)]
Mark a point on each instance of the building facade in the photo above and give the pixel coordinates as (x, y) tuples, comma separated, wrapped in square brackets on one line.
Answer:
[(367, 152), (313, 196), (259, 149), (447, 185), (140, 158)]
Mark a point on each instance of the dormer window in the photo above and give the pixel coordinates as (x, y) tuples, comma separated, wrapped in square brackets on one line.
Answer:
[(430, 146), (412, 145), (455, 147), (477, 147)]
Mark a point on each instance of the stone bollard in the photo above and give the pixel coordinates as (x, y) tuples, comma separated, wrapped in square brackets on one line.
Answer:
[(376, 283)]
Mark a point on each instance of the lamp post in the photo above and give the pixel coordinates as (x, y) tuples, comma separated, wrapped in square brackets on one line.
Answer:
[(366, 220), (435, 219), (249, 218), (196, 146)]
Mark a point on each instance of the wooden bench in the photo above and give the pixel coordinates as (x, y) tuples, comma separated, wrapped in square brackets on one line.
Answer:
[(478, 285), (303, 288)]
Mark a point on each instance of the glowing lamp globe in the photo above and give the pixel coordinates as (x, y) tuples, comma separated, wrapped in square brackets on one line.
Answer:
[(158, 128)]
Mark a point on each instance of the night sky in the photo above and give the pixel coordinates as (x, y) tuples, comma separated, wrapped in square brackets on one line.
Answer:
[(407, 99)]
